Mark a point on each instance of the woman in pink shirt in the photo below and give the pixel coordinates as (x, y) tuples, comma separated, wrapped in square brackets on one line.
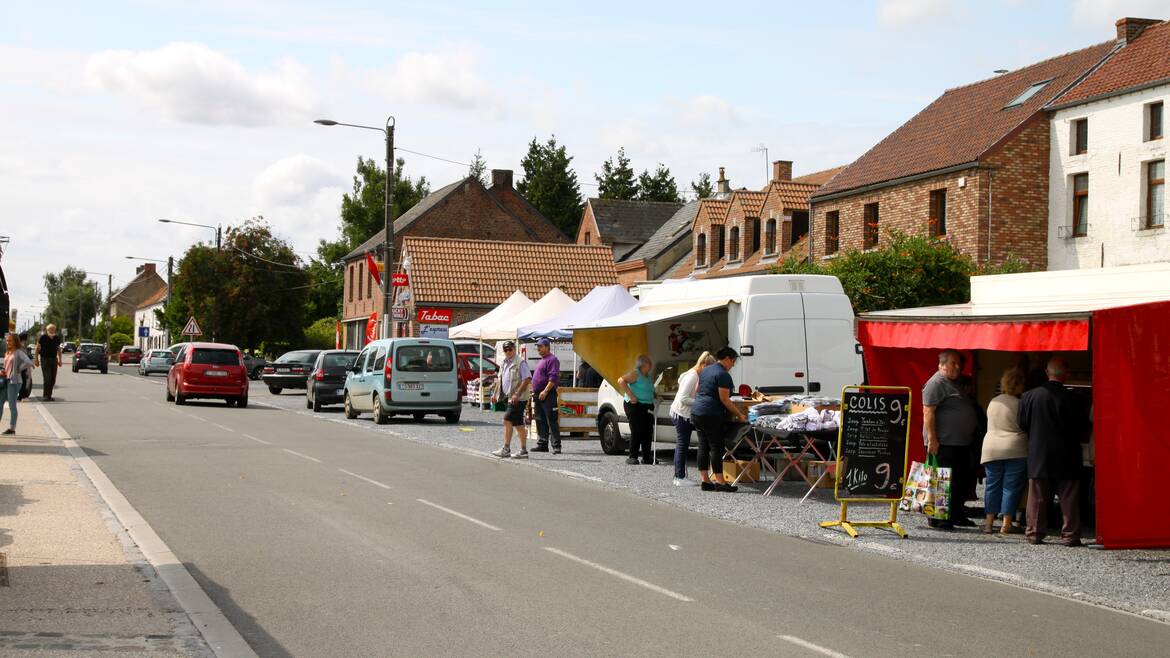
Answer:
[(17, 366)]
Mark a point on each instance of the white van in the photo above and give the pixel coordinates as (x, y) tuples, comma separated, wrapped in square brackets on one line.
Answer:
[(794, 334), (415, 376)]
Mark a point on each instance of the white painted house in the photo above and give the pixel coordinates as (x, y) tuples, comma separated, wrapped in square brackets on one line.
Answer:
[(1107, 157), (144, 316)]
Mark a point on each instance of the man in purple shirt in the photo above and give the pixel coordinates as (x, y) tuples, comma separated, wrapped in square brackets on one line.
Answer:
[(545, 378)]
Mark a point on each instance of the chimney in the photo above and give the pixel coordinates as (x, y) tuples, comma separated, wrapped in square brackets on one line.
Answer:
[(781, 170), (722, 186), (145, 268), (501, 178), (1128, 29)]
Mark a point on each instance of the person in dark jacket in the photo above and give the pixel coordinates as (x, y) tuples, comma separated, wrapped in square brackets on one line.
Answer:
[(1057, 422)]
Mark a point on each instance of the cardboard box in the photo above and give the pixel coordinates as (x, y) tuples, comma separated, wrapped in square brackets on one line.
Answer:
[(732, 469), (815, 468)]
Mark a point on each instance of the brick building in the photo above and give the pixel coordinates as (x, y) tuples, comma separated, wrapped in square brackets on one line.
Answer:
[(145, 285), (666, 254), (623, 225), (464, 209), (972, 167)]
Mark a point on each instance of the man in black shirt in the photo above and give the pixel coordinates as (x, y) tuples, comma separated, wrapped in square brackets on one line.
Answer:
[(49, 359)]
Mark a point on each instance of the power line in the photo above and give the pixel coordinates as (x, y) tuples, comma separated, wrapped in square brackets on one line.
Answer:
[(295, 267), (433, 157)]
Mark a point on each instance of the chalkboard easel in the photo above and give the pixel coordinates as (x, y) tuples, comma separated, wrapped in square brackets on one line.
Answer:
[(872, 454)]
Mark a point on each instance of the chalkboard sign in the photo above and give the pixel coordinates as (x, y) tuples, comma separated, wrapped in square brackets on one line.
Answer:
[(871, 448)]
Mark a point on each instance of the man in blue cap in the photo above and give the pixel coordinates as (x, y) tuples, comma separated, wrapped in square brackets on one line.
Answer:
[(545, 378)]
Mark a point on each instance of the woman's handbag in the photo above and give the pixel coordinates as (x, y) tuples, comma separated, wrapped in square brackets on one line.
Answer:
[(928, 490)]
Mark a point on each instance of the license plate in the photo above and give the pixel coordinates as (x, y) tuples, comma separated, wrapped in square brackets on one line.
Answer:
[(340, 391), (215, 373), (410, 386)]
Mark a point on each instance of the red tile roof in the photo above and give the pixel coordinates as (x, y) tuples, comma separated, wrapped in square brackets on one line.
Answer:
[(752, 202), (485, 272), (965, 122), (1144, 60), (793, 195), (712, 211), (819, 178), (157, 297)]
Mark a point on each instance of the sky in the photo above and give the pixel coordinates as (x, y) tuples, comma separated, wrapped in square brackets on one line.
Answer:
[(115, 114)]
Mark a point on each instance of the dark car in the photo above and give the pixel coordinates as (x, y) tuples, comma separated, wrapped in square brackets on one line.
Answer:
[(290, 370), (208, 370), (68, 348), (255, 365), (91, 355), (326, 383), (129, 354)]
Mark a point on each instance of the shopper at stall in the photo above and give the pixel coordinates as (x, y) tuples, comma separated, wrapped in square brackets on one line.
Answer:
[(1005, 454), (1057, 422), (512, 385), (709, 414), (544, 407), (638, 395), (949, 425), (680, 413)]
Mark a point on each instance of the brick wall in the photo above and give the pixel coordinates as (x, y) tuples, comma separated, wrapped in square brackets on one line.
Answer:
[(1019, 197), (589, 225)]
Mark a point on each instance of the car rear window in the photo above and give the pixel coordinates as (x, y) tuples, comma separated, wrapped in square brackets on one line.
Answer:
[(92, 348), (339, 360), (297, 357), (424, 358), (211, 357), (160, 354), (133, 350)]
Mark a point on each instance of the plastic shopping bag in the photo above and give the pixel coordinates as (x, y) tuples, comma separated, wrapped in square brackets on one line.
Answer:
[(928, 490)]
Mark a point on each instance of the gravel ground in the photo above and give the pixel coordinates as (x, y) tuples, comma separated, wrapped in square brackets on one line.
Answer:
[(1135, 581)]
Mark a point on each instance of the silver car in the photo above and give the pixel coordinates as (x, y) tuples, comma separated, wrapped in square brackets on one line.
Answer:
[(156, 361)]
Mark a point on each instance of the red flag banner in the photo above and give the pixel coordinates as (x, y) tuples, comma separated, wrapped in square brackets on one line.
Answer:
[(372, 327), (372, 266), (337, 335)]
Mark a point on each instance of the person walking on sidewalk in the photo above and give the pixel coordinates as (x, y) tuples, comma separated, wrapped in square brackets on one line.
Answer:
[(638, 395), (1057, 422), (512, 385), (949, 424), (680, 413), (17, 366), (709, 414), (544, 406), (48, 360)]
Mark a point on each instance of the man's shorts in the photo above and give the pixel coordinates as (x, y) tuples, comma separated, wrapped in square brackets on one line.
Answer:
[(515, 412)]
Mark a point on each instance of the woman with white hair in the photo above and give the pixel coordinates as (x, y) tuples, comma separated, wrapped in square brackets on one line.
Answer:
[(639, 407), (680, 413)]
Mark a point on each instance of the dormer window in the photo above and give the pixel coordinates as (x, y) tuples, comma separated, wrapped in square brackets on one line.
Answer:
[(733, 251), (701, 250), (1028, 94)]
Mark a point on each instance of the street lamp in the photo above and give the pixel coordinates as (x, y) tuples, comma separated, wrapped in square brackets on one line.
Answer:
[(218, 230), (388, 242), (109, 297), (170, 261)]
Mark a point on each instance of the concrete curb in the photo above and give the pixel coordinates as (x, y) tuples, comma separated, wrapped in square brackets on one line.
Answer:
[(217, 631)]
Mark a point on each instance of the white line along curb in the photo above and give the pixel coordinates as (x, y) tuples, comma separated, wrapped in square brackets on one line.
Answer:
[(217, 631)]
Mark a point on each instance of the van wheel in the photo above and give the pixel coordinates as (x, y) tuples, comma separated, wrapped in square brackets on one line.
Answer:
[(380, 417), (418, 417), (611, 437), (451, 417), (350, 412)]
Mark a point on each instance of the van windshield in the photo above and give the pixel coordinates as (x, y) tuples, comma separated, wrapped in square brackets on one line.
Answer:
[(216, 357), (424, 358)]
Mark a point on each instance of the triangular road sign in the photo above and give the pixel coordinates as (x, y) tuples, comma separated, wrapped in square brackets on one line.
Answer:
[(192, 328)]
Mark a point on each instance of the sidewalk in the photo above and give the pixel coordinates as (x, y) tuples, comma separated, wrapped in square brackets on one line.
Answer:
[(74, 583)]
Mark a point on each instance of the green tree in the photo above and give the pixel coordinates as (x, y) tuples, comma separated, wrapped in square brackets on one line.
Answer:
[(321, 334), (478, 168), (363, 209), (659, 186), (118, 325), (252, 291), (550, 185), (702, 188), (69, 293), (616, 180), (118, 340)]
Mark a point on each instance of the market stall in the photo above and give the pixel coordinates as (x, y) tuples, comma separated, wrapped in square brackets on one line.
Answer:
[(494, 325), (1111, 326)]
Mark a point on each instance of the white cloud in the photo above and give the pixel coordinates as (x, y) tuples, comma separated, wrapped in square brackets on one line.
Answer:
[(293, 180), (1106, 12), (901, 13), (705, 110), (448, 78), (192, 83)]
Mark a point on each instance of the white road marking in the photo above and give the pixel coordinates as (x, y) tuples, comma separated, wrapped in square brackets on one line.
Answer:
[(459, 514), (302, 456), (617, 574), (984, 571), (812, 647), (364, 478), (249, 436), (226, 429)]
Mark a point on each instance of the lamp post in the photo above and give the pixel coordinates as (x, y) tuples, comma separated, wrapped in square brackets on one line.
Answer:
[(218, 229), (170, 261), (109, 297), (388, 242)]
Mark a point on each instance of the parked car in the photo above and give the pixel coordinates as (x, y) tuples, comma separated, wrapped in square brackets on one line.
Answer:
[(290, 370), (129, 354), (208, 370), (326, 383), (175, 347), (464, 346), (156, 361), (91, 355), (415, 376), (68, 348), (469, 368), (255, 365)]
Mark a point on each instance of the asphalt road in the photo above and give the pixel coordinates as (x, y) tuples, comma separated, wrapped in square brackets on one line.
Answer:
[(321, 538)]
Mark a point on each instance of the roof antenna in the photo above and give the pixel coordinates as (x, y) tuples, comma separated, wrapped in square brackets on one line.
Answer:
[(764, 149)]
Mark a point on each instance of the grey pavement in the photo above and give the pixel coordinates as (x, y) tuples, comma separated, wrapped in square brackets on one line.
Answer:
[(319, 537)]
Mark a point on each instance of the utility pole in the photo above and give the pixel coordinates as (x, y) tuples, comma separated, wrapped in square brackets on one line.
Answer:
[(170, 276), (388, 244)]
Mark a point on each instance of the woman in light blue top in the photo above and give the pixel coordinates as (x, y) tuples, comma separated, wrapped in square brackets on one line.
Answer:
[(639, 407)]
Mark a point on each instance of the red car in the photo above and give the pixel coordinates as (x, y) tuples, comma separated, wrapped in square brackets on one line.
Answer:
[(130, 354), (469, 369), (208, 370)]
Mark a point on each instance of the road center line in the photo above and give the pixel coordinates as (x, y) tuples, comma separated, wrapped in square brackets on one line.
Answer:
[(812, 647), (617, 574), (459, 514), (249, 436), (226, 429), (364, 478), (302, 456)]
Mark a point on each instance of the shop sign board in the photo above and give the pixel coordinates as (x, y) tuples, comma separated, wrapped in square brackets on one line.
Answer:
[(399, 280), (434, 316), (432, 331), (398, 313)]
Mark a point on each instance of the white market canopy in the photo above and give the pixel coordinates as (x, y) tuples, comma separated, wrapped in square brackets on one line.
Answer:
[(496, 324), (554, 303), (601, 302)]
